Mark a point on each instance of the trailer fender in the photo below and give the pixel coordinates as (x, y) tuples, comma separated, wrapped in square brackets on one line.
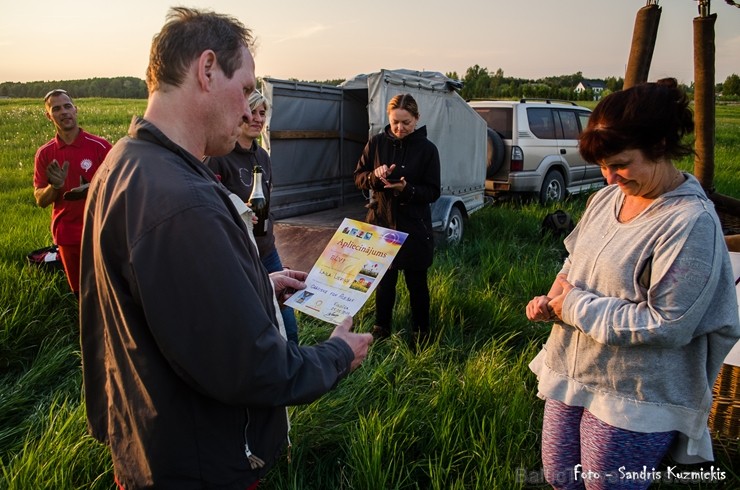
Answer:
[(448, 213)]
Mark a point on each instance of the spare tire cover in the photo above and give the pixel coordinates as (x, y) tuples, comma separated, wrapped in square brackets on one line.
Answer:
[(494, 153)]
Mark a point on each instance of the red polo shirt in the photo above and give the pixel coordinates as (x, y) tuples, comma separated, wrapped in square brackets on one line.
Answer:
[(84, 155)]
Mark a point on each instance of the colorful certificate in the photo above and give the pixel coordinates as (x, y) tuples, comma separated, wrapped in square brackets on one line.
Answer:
[(347, 271)]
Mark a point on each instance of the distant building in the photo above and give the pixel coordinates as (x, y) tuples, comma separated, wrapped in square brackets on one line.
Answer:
[(595, 86)]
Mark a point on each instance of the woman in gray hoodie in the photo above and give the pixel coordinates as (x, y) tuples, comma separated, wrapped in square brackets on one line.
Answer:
[(644, 308)]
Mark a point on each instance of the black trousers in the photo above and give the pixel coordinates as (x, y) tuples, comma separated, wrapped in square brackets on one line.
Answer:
[(385, 298)]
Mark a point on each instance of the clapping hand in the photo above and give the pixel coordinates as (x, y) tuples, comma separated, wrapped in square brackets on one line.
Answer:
[(57, 175), (79, 192)]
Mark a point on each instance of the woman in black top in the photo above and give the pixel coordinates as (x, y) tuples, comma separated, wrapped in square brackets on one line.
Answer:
[(401, 168), (235, 171)]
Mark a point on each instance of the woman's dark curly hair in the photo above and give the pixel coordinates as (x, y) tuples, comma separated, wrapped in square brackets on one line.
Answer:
[(651, 117)]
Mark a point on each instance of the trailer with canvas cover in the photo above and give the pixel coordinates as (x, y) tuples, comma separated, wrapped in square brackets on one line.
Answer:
[(315, 134)]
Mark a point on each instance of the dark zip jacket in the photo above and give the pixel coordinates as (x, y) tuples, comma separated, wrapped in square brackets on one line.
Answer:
[(235, 172), (417, 160), (182, 359)]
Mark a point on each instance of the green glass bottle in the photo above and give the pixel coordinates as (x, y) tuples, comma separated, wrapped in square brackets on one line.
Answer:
[(259, 204)]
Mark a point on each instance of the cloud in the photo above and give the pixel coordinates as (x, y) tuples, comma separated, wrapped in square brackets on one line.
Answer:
[(304, 33)]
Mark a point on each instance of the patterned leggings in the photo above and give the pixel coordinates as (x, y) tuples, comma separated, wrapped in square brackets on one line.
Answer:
[(580, 451)]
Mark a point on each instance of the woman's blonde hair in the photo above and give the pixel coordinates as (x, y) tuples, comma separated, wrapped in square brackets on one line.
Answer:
[(406, 102), (256, 99)]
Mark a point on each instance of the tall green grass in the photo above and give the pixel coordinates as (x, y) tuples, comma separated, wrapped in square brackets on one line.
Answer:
[(42, 424), (460, 413)]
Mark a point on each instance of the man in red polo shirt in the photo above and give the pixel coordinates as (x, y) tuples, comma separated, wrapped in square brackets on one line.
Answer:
[(63, 167)]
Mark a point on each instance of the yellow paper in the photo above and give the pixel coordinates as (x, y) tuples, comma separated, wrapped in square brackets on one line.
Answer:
[(348, 270)]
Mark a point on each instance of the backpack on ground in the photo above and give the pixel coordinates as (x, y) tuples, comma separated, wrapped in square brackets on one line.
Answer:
[(46, 258), (557, 224)]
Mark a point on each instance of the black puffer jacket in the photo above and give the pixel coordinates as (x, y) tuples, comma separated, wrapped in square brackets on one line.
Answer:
[(417, 160)]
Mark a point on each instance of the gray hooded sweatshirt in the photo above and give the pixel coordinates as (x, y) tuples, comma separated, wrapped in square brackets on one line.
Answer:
[(650, 320)]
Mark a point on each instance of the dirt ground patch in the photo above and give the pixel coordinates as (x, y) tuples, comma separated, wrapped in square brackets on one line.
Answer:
[(300, 240)]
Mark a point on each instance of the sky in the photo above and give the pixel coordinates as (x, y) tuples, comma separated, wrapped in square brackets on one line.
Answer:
[(43, 40)]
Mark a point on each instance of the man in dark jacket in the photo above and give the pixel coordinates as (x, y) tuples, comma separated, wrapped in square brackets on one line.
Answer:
[(186, 374)]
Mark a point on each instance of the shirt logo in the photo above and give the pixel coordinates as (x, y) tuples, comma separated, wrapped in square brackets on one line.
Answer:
[(86, 164), (245, 175)]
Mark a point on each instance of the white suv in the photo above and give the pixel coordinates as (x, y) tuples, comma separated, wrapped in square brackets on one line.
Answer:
[(533, 148)]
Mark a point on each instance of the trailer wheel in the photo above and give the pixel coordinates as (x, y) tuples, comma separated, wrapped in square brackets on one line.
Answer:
[(494, 153), (454, 228)]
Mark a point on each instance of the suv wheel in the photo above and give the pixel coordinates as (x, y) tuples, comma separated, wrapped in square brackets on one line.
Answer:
[(553, 188), (494, 153)]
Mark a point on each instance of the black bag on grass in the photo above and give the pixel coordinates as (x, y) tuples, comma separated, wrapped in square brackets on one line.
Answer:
[(557, 224), (46, 258)]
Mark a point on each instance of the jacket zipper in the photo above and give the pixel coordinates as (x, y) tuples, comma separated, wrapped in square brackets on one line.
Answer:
[(254, 461)]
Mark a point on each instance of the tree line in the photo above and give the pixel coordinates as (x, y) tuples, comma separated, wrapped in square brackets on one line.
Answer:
[(478, 83), (117, 87)]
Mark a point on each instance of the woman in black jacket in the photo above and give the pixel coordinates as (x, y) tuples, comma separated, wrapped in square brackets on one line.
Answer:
[(401, 168)]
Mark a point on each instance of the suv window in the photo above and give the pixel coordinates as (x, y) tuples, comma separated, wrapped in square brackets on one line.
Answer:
[(500, 119), (541, 123), (568, 125), (538, 153)]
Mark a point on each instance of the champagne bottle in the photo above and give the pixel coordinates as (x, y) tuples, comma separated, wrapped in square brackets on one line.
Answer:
[(259, 203)]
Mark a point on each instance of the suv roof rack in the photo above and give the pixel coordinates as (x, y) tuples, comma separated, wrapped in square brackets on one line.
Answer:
[(548, 101)]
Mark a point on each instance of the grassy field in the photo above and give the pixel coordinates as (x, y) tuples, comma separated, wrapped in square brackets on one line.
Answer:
[(460, 414)]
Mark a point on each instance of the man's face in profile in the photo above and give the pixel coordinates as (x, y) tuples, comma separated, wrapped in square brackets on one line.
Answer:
[(231, 107)]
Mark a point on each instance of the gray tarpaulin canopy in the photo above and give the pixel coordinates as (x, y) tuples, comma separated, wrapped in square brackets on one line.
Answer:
[(316, 133), (430, 80), (456, 129)]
